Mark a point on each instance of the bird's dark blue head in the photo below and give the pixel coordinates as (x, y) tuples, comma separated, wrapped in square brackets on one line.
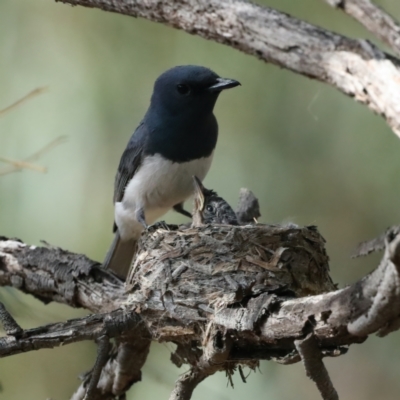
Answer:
[(189, 90), (180, 118)]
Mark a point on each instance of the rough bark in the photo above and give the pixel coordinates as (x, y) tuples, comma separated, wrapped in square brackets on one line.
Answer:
[(355, 67), (312, 359), (374, 18), (187, 287)]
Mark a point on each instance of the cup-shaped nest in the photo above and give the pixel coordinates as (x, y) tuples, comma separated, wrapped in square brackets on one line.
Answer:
[(208, 268)]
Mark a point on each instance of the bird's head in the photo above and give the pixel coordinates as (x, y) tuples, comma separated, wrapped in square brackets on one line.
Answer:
[(209, 208), (189, 89)]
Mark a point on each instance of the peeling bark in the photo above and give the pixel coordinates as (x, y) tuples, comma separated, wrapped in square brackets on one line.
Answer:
[(374, 18)]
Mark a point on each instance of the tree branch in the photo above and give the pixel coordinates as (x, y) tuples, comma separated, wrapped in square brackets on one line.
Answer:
[(374, 18), (315, 368), (187, 287), (103, 348), (53, 274), (111, 324), (355, 67)]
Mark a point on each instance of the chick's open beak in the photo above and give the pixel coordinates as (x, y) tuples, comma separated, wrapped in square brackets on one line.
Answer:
[(198, 193)]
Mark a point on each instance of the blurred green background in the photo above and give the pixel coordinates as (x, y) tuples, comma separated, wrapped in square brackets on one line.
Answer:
[(312, 155)]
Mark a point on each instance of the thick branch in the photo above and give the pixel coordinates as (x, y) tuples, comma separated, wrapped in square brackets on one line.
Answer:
[(376, 20), (265, 327), (53, 274), (197, 287), (356, 68), (111, 324)]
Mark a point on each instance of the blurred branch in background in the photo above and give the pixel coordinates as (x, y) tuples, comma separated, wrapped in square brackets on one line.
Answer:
[(23, 99), (355, 67), (18, 165)]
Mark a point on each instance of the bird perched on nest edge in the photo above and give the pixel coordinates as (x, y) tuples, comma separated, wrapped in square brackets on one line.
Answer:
[(174, 141)]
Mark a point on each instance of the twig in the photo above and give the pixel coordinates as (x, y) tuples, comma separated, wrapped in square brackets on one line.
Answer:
[(376, 244), (23, 99), (45, 149), (26, 163), (315, 369), (18, 165), (374, 18)]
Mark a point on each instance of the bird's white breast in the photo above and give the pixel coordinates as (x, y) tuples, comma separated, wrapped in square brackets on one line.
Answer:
[(157, 186)]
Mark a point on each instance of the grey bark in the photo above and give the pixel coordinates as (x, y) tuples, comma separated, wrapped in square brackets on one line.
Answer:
[(312, 359), (374, 18)]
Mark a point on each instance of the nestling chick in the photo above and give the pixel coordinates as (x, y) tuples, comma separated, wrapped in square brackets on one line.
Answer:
[(209, 208)]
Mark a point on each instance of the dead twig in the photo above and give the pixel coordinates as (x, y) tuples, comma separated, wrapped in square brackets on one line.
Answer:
[(23, 99), (17, 165)]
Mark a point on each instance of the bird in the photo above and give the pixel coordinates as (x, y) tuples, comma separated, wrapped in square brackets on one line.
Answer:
[(174, 141), (209, 208)]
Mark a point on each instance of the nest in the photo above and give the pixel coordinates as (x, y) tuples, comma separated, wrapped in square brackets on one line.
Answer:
[(212, 267)]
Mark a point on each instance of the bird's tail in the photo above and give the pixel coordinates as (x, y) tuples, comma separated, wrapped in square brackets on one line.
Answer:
[(119, 256)]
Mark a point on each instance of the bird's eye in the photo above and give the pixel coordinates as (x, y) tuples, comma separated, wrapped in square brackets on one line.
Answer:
[(210, 208), (183, 89)]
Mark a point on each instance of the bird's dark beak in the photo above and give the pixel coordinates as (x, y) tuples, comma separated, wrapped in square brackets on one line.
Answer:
[(222, 84), (198, 193)]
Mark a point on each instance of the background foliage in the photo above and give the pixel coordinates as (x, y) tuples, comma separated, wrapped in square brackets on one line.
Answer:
[(312, 155)]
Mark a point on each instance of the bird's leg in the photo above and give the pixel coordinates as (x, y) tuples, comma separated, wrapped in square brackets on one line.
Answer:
[(179, 208), (140, 217)]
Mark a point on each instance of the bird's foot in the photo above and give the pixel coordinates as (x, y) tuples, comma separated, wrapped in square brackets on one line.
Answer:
[(140, 216)]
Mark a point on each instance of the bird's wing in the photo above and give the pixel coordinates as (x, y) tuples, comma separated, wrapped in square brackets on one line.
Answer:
[(130, 161)]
